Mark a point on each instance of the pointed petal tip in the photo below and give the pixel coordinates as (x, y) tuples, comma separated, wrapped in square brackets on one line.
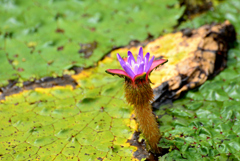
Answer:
[(129, 52), (130, 58), (146, 58), (141, 50), (121, 60), (118, 55), (148, 54), (140, 53)]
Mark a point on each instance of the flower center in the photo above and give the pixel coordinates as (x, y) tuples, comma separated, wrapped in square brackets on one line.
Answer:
[(134, 66)]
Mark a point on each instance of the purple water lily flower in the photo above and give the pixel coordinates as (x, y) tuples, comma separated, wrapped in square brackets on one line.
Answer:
[(136, 69)]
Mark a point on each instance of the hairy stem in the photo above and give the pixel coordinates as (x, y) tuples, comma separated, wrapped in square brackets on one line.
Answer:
[(148, 125), (140, 94)]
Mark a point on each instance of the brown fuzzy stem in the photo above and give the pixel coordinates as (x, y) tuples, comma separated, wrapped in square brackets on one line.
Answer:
[(140, 94), (148, 126)]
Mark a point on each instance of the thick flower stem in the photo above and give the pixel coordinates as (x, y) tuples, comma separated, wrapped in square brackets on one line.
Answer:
[(148, 125), (140, 94)]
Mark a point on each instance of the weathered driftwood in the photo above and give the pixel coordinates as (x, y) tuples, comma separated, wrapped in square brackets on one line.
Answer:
[(206, 55)]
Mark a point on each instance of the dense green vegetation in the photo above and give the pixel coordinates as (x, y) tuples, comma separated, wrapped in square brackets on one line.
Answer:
[(206, 120)]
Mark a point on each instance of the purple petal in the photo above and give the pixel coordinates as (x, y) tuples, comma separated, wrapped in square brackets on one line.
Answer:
[(127, 64), (128, 71), (140, 55), (149, 64), (141, 68), (120, 59), (146, 59), (130, 58), (135, 68)]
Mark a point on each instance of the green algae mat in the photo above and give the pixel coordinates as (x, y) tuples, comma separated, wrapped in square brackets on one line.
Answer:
[(93, 121)]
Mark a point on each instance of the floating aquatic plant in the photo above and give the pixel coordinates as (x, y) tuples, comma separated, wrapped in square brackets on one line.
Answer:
[(139, 93)]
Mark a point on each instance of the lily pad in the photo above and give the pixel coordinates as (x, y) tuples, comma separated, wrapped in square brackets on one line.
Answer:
[(66, 123)]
